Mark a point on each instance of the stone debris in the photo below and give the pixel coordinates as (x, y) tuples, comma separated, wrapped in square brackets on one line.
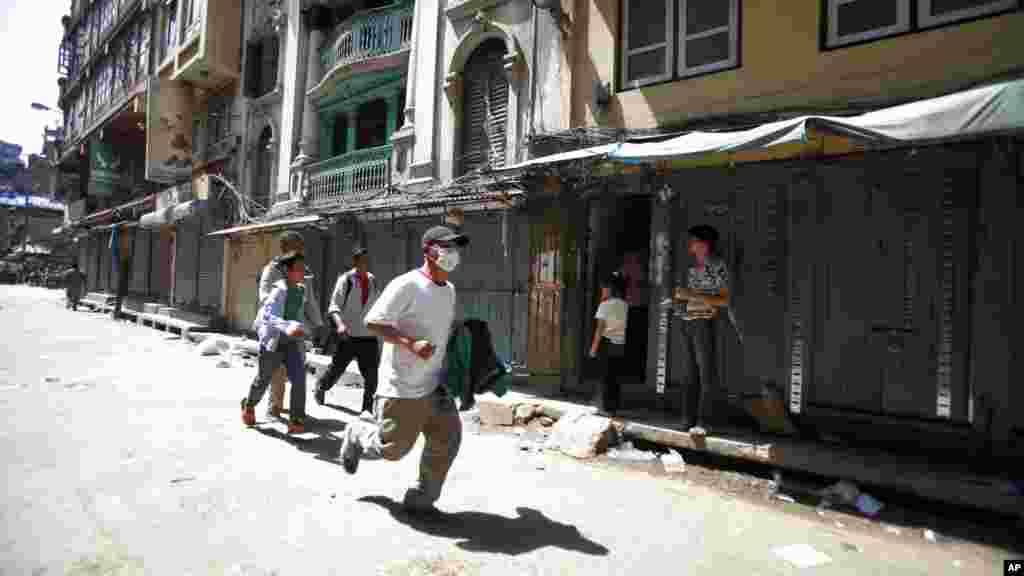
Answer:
[(626, 452), (581, 435), (223, 363), (213, 347), (892, 529), (546, 421), (524, 413), (801, 555), (497, 413), (785, 498), (934, 537), (673, 462)]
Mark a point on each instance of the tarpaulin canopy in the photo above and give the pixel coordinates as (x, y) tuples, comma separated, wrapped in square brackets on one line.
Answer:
[(987, 110), (171, 214), (266, 226)]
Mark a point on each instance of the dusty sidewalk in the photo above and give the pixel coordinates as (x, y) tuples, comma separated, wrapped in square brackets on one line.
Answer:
[(120, 439)]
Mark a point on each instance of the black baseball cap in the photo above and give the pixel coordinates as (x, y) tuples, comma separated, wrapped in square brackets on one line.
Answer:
[(359, 251), (704, 232), (444, 235)]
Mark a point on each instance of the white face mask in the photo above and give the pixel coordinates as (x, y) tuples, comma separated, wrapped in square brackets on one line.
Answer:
[(447, 259)]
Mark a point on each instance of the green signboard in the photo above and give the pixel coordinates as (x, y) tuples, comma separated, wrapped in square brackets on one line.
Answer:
[(104, 166)]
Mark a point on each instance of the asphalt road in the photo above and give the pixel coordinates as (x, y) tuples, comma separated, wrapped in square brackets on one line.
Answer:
[(124, 454)]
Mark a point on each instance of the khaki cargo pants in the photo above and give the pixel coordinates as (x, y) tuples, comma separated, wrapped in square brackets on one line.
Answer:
[(277, 388), (399, 423)]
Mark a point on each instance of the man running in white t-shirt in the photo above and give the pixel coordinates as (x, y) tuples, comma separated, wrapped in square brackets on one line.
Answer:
[(413, 316)]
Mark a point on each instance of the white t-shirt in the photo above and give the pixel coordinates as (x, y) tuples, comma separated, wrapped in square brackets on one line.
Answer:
[(420, 309), (615, 313)]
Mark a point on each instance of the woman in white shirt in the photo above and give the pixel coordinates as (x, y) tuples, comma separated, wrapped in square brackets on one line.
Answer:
[(609, 343)]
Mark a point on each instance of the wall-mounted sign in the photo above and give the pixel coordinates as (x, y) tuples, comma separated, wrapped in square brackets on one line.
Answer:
[(104, 169)]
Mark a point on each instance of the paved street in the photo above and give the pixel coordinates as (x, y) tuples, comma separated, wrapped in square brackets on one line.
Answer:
[(125, 454)]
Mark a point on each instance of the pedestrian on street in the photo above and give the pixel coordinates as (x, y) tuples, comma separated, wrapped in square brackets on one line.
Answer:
[(609, 342), (706, 292), (274, 272), (281, 326), (355, 293), (414, 317), (74, 281)]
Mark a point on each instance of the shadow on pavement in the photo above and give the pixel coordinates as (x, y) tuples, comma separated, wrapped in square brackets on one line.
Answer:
[(485, 532), (325, 446)]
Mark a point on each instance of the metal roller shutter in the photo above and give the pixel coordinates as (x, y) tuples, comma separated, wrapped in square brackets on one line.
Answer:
[(211, 264), (186, 262), (141, 262), (92, 266), (105, 271)]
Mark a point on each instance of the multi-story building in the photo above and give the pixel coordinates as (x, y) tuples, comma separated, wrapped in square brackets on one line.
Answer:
[(147, 91), (866, 280)]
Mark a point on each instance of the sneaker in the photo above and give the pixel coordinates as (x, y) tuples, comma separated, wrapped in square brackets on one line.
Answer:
[(413, 503), (320, 396), (295, 427), (350, 451), (248, 414)]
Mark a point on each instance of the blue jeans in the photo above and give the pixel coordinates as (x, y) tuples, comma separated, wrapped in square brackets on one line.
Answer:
[(293, 354)]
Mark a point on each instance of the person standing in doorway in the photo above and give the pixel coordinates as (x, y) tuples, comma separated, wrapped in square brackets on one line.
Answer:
[(705, 294), (74, 281), (609, 342), (281, 326), (414, 317), (354, 294), (291, 242)]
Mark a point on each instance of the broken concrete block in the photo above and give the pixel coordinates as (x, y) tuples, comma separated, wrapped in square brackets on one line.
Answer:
[(525, 412), (581, 435), (212, 347), (546, 421), (497, 413)]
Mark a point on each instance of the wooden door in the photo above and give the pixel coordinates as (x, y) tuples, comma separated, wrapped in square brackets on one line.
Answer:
[(544, 354)]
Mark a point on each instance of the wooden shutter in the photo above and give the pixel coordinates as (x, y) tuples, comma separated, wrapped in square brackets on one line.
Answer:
[(485, 108)]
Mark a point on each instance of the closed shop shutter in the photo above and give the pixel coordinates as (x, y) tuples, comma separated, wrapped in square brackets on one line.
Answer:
[(485, 108), (211, 264), (248, 256), (92, 266), (186, 262), (105, 271), (387, 245), (141, 259)]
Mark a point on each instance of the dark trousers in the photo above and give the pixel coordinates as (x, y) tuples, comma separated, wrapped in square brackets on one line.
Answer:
[(366, 353), (291, 353), (700, 346), (614, 367)]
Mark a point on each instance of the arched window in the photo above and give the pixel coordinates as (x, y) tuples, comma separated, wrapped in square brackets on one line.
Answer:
[(484, 108)]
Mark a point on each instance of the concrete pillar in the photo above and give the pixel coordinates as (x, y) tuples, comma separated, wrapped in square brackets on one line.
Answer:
[(309, 144), (394, 109), (294, 63)]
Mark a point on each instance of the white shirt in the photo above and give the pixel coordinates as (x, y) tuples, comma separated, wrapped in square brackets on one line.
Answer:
[(422, 310), (615, 313)]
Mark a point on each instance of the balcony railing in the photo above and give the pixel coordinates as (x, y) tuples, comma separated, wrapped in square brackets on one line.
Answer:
[(353, 176), (369, 34)]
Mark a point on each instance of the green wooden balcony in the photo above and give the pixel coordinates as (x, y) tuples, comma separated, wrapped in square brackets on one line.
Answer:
[(358, 175), (369, 34)]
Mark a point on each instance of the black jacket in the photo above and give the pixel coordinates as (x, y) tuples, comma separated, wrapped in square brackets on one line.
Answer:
[(485, 369)]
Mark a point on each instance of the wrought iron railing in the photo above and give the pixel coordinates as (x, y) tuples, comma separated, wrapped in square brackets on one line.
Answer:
[(369, 34), (353, 176)]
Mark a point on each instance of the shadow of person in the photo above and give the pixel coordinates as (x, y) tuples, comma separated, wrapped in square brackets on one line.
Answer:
[(485, 532), (325, 446)]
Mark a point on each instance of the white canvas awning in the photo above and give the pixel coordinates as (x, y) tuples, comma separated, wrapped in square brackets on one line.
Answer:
[(266, 226), (594, 152), (991, 109)]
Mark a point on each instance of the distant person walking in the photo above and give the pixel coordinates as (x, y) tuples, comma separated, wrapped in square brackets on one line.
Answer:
[(281, 326), (74, 285), (609, 342), (414, 317), (354, 294)]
